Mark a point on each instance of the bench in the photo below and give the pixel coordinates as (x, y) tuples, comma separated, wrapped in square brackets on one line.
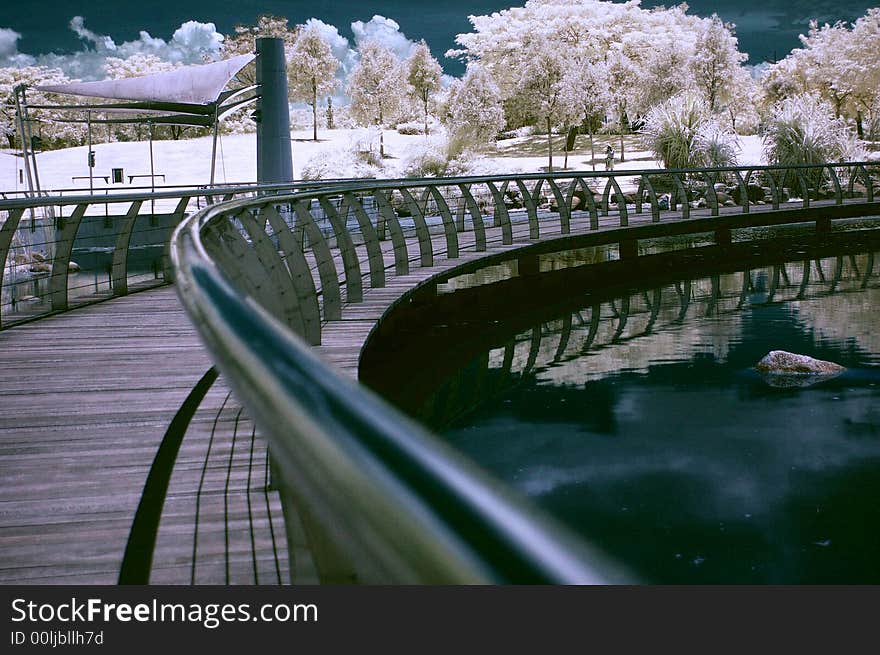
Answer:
[(162, 175), (106, 178)]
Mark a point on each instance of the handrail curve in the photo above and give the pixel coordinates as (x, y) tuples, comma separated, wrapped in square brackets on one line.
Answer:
[(381, 499)]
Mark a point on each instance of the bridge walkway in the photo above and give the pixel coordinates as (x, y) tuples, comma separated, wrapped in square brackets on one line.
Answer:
[(89, 398)]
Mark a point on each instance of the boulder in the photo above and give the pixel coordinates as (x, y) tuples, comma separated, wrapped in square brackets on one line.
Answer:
[(579, 199), (73, 267), (786, 370), (755, 192)]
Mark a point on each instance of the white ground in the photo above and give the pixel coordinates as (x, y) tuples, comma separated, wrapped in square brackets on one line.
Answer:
[(189, 161)]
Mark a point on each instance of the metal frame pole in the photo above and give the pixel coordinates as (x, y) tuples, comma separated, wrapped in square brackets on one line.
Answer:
[(24, 142), (26, 122), (214, 145), (274, 156), (89, 156)]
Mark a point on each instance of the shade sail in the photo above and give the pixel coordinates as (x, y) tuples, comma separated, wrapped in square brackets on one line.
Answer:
[(201, 84)]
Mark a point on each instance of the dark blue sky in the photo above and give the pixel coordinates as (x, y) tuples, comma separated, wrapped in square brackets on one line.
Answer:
[(765, 27)]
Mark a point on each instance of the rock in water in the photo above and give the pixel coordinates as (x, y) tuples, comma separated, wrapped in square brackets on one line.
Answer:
[(785, 369)]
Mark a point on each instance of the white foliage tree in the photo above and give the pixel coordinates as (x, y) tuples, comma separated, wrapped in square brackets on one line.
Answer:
[(584, 96), (376, 87), (474, 114), (622, 89), (839, 63), (46, 123), (647, 52), (423, 76), (863, 69), (540, 89), (716, 61), (312, 70)]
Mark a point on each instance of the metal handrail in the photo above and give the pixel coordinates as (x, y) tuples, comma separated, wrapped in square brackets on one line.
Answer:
[(45, 199), (397, 504), (370, 183), (383, 500)]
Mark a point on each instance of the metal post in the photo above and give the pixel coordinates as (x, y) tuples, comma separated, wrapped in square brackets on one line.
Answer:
[(27, 125), (274, 156), (152, 174), (214, 145), (89, 155), (24, 141)]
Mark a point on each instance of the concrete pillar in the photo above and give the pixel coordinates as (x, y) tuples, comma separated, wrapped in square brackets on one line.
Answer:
[(274, 157)]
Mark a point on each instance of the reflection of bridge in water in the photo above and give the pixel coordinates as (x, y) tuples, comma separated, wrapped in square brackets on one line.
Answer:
[(633, 331), (125, 460)]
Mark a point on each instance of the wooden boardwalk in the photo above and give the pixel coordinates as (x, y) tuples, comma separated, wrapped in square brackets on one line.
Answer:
[(88, 397)]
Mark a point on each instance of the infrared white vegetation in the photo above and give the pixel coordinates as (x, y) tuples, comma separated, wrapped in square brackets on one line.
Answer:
[(565, 68)]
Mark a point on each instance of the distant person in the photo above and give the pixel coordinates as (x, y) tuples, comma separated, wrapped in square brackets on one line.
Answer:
[(609, 158)]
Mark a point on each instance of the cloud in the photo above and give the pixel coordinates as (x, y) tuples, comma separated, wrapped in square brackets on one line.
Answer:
[(9, 54), (192, 43), (384, 30), (381, 29), (103, 44), (339, 45)]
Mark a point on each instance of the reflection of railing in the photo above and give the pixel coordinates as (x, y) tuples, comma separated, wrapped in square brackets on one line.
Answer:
[(380, 499), (611, 330)]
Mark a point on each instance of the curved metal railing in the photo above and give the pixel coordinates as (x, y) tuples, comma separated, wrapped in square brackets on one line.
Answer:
[(379, 498), (59, 251)]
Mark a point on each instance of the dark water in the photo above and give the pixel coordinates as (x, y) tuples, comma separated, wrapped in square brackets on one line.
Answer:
[(640, 421)]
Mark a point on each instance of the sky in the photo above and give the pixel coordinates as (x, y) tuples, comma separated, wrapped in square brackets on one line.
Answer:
[(767, 29)]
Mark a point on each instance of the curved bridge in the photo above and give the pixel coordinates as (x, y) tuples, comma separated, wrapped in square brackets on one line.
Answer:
[(366, 495)]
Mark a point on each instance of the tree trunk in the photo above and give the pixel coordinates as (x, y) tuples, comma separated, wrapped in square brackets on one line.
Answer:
[(549, 147), (859, 129), (381, 135), (314, 110), (592, 149), (425, 101), (622, 153)]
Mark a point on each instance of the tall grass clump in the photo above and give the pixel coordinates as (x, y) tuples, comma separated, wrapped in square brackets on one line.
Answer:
[(682, 133), (803, 130)]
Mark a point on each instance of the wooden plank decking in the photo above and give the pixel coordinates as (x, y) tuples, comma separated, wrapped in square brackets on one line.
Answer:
[(88, 396)]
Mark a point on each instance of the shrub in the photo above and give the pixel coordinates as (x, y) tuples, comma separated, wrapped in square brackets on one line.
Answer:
[(803, 130), (682, 133), (714, 145), (442, 158), (411, 128)]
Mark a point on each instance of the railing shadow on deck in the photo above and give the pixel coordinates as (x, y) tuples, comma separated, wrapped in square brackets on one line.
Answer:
[(380, 499)]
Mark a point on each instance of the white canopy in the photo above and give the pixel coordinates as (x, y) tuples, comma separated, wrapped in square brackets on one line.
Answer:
[(200, 84)]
